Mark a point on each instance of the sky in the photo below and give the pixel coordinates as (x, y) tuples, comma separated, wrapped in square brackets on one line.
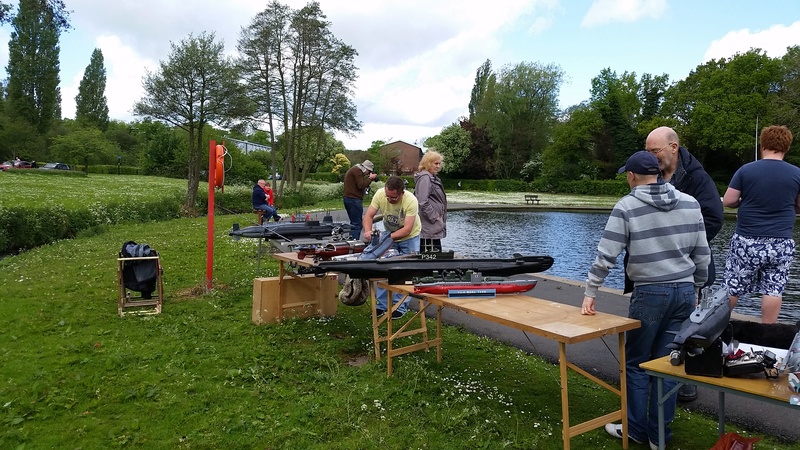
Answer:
[(417, 59)]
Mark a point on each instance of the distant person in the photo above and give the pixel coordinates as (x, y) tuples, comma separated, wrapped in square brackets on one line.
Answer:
[(682, 170), (767, 193), (400, 212), (270, 194), (432, 202), (261, 201), (356, 181), (663, 232)]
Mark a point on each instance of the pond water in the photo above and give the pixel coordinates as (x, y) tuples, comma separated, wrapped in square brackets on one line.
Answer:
[(571, 239)]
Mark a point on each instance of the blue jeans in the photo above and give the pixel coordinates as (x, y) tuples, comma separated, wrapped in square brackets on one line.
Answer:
[(355, 211), (406, 247), (660, 308), (271, 213)]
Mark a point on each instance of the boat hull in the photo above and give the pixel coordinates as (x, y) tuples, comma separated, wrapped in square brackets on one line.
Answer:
[(402, 268), (290, 230)]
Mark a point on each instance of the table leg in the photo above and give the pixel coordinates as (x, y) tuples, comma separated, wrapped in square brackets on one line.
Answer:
[(388, 317), (376, 336), (562, 362), (439, 334), (661, 431), (721, 425), (623, 389), (281, 275)]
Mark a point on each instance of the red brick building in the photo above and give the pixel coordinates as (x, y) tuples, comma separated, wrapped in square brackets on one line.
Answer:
[(399, 158)]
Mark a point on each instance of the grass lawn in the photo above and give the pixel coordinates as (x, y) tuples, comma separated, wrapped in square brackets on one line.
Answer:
[(202, 376)]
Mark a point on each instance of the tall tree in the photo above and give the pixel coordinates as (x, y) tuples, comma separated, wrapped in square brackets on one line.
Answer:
[(454, 144), (91, 104), (303, 78), (787, 105), (717, 106), (60, 13), (196, 86), (616, 99), (483, 76), (523, 114), (33, 93)]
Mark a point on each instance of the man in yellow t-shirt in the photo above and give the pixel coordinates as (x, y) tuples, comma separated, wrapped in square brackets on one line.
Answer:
[(400, 212)]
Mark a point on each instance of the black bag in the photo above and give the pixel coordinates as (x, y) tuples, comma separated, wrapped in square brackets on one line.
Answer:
[(141, 275)]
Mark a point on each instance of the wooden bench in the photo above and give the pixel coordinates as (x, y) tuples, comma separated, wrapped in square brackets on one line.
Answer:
[(531, 199)]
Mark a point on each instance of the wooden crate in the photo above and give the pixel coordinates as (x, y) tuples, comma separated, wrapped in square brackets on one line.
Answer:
[(275, 299), (129, 302)]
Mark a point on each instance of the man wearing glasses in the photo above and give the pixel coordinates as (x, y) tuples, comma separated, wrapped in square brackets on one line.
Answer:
[(681, 169), (400, 212)]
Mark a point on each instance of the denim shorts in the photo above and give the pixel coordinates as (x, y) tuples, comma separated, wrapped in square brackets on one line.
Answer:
[(758, 264)]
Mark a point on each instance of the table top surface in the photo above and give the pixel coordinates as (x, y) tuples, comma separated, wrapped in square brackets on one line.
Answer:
[(291, 257), (550, 319), (756, 384)]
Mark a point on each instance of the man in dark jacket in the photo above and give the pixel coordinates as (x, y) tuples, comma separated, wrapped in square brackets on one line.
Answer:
[(261, 201), (356, 180), (681, 169)]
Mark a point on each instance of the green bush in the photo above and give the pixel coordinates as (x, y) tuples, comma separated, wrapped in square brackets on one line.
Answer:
[(616, 187), (25, 227), (111, 169), (486, 185), (330, 177)]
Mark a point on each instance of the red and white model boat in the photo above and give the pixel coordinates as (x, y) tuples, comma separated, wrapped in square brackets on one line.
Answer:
[(474, 282)]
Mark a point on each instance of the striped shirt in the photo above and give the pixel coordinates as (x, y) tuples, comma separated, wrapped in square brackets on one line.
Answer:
[(663, 231)]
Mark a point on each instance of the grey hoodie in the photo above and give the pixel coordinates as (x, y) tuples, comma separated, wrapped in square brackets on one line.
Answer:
[(664, 234), (432, 205)]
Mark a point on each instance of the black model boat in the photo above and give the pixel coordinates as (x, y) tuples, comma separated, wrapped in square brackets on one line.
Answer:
[(404, 268), (290, 230)]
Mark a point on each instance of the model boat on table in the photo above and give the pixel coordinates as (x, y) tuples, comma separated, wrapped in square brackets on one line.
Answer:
[(291, 230), (471, 281), (405, 268), (327, 251)]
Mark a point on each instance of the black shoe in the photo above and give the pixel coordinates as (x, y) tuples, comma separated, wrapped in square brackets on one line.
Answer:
[(379, 312), (397, 315), (687, 393), (278, 218)]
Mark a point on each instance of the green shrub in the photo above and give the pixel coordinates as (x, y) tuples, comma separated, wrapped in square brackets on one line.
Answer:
[(111, 169), (616, 187), (330, 177), (486, 185), (25, 227)]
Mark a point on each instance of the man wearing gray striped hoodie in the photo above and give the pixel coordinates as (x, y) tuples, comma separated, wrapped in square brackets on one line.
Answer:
[(663, 232)]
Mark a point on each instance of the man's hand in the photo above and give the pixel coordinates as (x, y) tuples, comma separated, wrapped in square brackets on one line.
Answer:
[(366, 236), (588, 306), (372, 176)]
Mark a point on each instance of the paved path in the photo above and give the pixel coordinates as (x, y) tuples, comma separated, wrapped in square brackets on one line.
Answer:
[(599, 357)]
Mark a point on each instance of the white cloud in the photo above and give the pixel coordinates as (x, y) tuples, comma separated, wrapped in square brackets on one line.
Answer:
[(610, 11), (773, 41)]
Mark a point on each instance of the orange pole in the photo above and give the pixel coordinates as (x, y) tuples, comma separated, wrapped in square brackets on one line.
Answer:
[(212, 164)]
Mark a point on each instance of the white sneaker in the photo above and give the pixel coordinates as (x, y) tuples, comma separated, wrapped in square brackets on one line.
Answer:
[(615, 430), (652, 446)]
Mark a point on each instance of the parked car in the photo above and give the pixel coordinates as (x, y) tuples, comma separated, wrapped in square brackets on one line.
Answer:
[(16, 164), (55, 166)]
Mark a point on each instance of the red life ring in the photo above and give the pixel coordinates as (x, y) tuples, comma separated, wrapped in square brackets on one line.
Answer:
[(219, 173)]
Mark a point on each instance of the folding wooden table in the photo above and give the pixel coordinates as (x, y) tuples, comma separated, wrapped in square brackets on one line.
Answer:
[(563, 323)]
